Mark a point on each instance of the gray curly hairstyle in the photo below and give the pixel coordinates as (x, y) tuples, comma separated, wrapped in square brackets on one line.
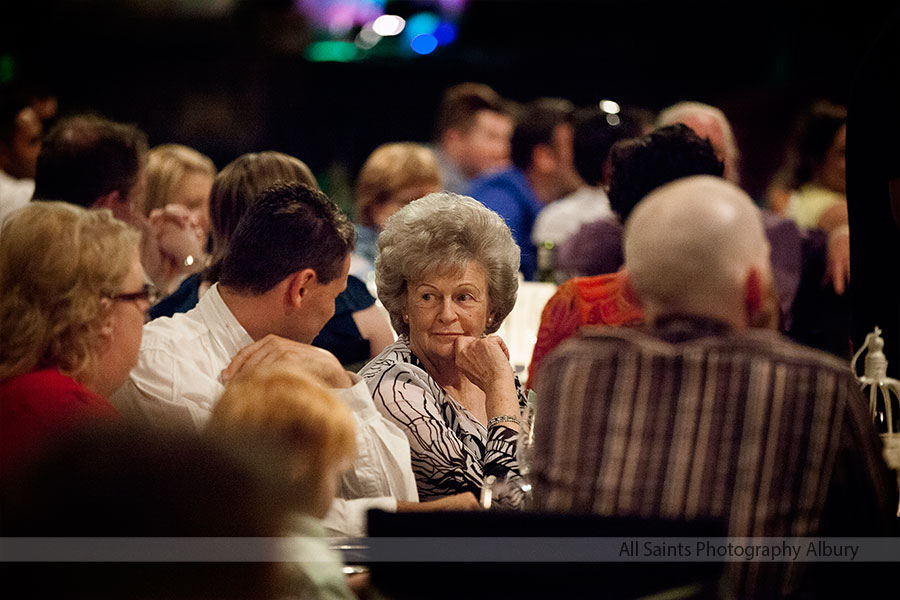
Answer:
[(441, 232)]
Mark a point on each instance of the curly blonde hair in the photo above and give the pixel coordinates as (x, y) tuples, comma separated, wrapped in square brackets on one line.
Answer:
[(441, 232), (57, 262)]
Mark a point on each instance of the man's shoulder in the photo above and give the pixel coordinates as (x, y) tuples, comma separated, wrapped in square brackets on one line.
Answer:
[(748, 344), (172, 333), (509, 181)]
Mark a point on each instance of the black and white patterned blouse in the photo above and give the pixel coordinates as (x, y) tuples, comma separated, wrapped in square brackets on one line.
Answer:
[(452, 452)]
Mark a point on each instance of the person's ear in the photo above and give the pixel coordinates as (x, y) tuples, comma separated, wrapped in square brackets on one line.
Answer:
[(543, 158), (107, 327), (299, 286), (628, 290), (754, 294)]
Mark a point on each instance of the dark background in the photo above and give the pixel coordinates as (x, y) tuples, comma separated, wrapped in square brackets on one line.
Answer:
[(238, 82)]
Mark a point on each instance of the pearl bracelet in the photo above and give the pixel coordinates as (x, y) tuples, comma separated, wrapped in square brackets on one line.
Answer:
[(493, 421)]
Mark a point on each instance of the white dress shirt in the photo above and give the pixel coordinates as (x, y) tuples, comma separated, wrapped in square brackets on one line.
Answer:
[(14, 194), (178, 379), (560, 220)]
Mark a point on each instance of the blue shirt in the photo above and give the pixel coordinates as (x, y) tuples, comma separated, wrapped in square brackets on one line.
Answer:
[(509, 194)]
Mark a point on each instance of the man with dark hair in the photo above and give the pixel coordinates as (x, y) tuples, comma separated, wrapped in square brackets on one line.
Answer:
[(596, 131), (543, 171), (93, 162), (288, 260), (472, 134), (20, 143)]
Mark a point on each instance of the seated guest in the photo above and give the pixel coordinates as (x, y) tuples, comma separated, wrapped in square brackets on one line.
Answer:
[(392, 176), (306, 437), (356, 332), (472, 133), (595, 133), (543, 171), (286, 263), (701, 416), (447, 274), (20, 144), (177, 174), (71, 314), (239, 184), (811, 186), (638, 166), (807, 311), (93, 162), (710, 123)]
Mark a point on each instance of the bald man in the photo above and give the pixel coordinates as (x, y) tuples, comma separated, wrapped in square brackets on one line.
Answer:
[(701, 415)]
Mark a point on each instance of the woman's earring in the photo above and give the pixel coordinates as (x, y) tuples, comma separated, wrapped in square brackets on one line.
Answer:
[(405, 317)]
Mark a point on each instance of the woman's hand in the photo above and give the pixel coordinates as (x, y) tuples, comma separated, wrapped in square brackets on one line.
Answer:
[(485, 362), (173, 246)]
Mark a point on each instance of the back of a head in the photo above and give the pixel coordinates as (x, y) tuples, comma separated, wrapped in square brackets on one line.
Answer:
[(814, 133), (290, 227), (166, 165), (710, 123), (596, 131), (124, 483), (85, 157), (690, 244), (643, 164), (238, 186), (403, 168), (535, 124), (462, 102), (279, 413), (57, 262)]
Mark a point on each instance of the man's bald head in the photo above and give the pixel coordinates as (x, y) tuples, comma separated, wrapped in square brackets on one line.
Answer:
[(692, 246)]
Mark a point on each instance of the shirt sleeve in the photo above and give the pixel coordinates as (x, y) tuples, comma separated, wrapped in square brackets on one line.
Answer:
[(382, 465), (443, 463), (347, 518), (165, 391)]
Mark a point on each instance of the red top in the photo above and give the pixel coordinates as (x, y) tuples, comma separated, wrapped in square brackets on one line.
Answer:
[(580, 301), (35, 406)]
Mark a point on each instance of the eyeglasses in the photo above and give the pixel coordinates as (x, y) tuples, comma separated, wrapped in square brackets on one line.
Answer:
[(148, 293)]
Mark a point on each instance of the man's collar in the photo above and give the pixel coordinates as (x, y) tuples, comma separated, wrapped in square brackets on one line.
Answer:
[(682, 328)]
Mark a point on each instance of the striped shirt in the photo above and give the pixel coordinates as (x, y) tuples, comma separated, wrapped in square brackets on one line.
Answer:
[(697, 421)]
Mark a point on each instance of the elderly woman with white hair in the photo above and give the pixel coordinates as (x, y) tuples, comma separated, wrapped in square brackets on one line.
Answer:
[(447, 272)]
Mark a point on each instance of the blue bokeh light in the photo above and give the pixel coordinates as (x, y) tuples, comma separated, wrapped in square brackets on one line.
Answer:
[(424, 43), (445, 33)]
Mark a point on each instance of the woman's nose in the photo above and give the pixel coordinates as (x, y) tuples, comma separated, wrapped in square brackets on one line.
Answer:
[(447, 313)]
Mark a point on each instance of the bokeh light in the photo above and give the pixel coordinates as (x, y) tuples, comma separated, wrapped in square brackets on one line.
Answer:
[(445, 33), (388, 25), (610, 107), (424, 43)]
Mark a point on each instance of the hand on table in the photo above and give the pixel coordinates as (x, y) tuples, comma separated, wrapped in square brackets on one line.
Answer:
[(272, 350)]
